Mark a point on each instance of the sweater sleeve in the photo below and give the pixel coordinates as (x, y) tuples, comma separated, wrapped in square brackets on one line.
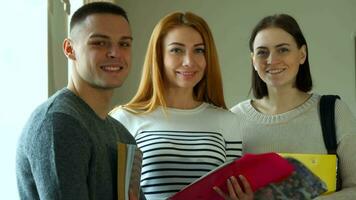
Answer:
[(346, 136), (233, 137), (126, 119), (59, 158)]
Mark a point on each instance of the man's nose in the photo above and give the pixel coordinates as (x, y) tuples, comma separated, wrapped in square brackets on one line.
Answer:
[(114, 51)]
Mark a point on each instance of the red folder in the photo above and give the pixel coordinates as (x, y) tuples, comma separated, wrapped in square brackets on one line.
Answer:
[(259, 170)]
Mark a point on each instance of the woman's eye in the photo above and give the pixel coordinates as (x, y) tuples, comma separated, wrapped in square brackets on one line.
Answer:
[(200, 50), (262, 53), (176, 50), (282, 50)]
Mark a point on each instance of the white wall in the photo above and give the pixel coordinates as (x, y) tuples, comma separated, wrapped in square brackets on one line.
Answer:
[(23, 83), (329, 27)]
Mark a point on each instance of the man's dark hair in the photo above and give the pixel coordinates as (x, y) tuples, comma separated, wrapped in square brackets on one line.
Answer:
[(96, 8), (289, 24)]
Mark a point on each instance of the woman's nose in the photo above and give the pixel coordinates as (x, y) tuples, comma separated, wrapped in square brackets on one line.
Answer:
[(272, 58), (188, 60)]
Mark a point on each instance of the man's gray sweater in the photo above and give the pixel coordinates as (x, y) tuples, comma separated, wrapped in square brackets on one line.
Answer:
[(67, 152)]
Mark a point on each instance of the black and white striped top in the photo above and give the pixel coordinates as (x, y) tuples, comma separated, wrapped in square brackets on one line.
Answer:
[(181, 146)]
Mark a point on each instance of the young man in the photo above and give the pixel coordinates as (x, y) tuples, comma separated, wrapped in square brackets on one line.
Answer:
[(68, 147)]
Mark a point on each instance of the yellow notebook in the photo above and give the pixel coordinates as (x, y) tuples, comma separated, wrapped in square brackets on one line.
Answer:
[(322, 165)]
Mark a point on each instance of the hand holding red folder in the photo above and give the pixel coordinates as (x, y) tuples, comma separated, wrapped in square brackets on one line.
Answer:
[(259, 170)]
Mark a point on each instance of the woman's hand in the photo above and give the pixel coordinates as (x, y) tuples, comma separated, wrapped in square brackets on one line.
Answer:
[(235, 191)]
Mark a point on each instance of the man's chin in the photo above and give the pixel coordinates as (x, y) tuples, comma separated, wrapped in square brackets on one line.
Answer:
[(107, 86)]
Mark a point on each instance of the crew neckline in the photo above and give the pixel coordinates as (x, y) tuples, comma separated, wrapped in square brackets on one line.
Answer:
[(85, 105), (197, 109), (255, 115)]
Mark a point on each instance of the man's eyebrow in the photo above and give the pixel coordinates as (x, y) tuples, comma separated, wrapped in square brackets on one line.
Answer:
[(98, 35), (126, 38)]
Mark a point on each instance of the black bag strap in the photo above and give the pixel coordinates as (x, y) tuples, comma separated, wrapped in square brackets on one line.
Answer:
[(327, 120)]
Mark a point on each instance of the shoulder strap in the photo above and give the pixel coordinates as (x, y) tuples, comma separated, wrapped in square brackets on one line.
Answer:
[(327, 120)]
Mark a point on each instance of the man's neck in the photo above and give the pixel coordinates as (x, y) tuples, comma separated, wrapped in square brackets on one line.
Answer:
[(98, 99)]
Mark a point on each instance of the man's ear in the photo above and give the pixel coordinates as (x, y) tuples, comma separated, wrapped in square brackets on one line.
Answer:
[(68, 49)]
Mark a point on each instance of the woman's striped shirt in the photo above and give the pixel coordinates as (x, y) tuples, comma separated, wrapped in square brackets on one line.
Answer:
[(180, 146)]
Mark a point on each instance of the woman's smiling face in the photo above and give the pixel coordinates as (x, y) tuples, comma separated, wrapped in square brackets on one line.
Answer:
[(276, 57), (183, 58)]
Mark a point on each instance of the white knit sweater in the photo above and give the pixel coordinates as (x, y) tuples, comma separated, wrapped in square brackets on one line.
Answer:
[(299, 131)]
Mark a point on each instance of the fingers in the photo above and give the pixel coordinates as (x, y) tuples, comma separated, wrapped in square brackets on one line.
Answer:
[(236, 189), (247, 193), (246, 185), (220, 192)]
